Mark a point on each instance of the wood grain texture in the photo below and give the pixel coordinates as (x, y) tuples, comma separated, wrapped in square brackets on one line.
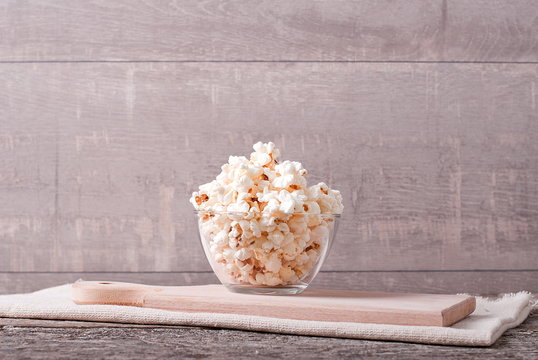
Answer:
[(42, 339), (312, 304), (470, 282), (437, 163), (433, 30)]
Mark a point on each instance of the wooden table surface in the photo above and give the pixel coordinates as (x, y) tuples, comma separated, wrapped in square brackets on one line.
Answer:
[(46, 339)]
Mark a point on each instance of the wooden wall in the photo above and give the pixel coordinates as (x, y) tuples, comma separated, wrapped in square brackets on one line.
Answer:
[(423, 113)]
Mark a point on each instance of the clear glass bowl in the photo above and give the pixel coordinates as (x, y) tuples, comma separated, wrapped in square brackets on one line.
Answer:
[(263, 254)]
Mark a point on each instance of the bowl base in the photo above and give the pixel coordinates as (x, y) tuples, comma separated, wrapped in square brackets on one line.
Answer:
[(266, 290)]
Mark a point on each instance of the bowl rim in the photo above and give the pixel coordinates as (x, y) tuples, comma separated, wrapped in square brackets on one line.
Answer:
[(198, 211)]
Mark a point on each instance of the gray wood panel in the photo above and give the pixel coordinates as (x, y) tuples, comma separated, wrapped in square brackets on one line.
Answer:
[(387, 30), (445, 282), (438, 163), (46, 339)]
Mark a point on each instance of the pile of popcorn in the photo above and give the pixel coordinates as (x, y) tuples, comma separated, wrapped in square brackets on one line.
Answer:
[(262, 224)]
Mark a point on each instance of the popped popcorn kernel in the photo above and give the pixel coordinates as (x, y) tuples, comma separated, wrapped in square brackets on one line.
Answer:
[(264, 225)]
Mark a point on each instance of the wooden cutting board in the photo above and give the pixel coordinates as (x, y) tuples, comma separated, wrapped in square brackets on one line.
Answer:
[(320, 305)]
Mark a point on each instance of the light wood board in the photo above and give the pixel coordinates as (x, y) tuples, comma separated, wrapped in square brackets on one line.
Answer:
[(315, 305)]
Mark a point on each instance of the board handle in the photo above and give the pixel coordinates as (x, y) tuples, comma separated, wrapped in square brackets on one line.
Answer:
[(110, 293)]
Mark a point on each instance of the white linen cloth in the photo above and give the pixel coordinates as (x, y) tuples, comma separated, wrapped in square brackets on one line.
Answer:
[(482, 328)]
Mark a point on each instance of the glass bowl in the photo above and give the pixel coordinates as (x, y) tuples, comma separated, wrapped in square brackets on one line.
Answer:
[(258, 253)]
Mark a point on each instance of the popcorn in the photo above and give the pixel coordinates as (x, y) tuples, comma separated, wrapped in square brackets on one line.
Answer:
[(264, 226)]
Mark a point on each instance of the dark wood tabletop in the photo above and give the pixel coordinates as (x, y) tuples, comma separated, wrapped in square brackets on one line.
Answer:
[(47, 339)]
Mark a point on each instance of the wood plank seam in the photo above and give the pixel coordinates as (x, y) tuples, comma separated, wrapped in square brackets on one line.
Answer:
[(268, 61)]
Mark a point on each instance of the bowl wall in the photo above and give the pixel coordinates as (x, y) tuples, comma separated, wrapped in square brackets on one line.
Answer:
[(266, 254)]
